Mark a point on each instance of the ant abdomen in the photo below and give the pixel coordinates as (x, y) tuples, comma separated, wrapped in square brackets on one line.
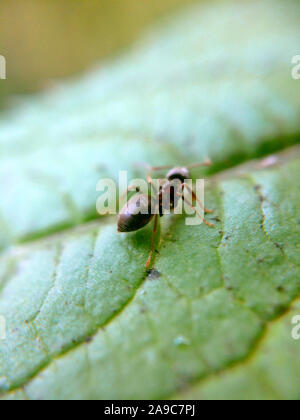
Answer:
[(136, 213)]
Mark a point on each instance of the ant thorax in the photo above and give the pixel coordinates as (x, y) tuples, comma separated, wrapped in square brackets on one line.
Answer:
[(169, 196)]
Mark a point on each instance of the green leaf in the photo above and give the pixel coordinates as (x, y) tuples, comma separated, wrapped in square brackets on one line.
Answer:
[(84, 318)]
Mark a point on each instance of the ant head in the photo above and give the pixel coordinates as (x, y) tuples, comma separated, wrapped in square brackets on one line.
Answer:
[(178, 173)]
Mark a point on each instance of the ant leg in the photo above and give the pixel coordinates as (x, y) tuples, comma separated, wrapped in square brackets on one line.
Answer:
[(195, 197), (153, 241), (207, 162), (192, 207), (161, 168), (150, 168), (131, 188), (150, 182)]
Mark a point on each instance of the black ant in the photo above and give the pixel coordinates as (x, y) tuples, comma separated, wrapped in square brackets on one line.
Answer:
[(138, 211)]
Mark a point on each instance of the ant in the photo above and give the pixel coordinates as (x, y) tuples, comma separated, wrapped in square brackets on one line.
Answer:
[(137, 212)]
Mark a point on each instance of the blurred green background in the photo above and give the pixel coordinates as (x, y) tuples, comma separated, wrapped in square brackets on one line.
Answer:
[(45, 40)]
